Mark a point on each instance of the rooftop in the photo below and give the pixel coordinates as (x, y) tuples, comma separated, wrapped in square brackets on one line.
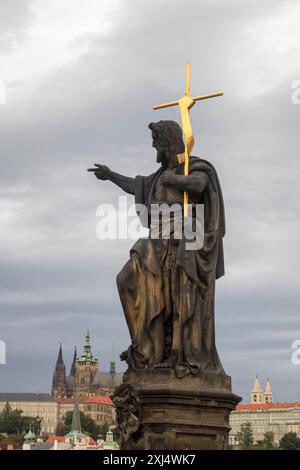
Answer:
[(266, 406), (56, 438), (67, 400), (97, 399), (38, 397)]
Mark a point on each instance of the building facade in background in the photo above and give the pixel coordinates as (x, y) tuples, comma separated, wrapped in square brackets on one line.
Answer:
[(52, 412), (75, 439), (91, 387), (41, 405), (98, 407), (84, 378), (265, 416)]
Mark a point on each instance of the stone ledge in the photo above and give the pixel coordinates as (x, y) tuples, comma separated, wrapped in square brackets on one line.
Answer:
[(158, 410)]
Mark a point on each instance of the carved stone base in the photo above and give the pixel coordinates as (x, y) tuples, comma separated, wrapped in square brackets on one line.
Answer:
[(156, 410)]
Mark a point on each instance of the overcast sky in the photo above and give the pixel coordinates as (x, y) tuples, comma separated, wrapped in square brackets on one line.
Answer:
[(81, 78)]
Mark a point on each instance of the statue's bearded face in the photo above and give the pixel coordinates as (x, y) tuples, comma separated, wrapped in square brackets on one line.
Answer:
[(167, 140), (159, 144)]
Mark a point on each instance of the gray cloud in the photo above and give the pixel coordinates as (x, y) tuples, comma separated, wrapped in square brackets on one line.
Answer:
[(15, 17)]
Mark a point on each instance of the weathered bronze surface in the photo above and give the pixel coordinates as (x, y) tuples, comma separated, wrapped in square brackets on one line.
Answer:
[(175, 392)]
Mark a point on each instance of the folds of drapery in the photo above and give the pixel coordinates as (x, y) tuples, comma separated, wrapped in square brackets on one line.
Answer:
[(145, 298)]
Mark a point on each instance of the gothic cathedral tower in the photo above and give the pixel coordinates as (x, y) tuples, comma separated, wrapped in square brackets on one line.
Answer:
[(85, 368), (59, 377)]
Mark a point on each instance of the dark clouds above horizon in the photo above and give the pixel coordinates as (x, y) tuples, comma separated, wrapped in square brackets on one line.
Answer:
[(81, 80)]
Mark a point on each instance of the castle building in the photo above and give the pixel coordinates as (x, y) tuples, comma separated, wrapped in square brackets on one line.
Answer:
[(264, 416), (84, 378), (41, 405), (52, 412)]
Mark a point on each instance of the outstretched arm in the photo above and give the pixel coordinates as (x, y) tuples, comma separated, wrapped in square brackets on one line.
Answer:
[(102, 172)]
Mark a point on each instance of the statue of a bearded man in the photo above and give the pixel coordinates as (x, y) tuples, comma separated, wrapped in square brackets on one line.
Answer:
[(167, 291)]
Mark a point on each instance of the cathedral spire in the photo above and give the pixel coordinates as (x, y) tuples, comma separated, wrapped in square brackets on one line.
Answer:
[(87, 338), (112, 369), (87, 355), (59, 376), (60, 356), (76, 423), (73, 366), (75, 436), (256, 394), (87, 344)]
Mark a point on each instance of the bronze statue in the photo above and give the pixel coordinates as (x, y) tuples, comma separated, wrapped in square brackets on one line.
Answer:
[(168, 292), (175, 393)]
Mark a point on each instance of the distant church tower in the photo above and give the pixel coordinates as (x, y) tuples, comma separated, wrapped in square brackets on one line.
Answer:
[(268, 398), (59, 377), (85, 368), (73, 366), (112, 369), (84, 377), (256, 394)]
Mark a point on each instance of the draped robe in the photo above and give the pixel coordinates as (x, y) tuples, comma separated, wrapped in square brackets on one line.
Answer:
[(162, 280)]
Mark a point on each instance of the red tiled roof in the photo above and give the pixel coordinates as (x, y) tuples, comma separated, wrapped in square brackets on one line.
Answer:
[(56, 438), (98, 399), (266, 406), (92, 442)]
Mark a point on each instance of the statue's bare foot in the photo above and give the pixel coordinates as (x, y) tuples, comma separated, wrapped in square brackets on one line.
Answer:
[(170, 362)]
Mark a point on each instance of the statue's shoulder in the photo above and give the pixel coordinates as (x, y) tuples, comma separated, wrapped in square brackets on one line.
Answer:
[(145, 178), (199, 164), (150, 178)]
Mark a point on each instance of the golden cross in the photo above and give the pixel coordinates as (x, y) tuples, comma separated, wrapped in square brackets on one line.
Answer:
[(185, 104)]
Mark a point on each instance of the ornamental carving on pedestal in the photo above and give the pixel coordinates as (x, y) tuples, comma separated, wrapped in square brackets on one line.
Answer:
[(128, 410)]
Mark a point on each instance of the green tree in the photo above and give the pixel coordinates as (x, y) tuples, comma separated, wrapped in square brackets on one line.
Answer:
[(88, 425), (63, 429), (33, 423), (7, 409), (245, 436), (12, 422), (16, 440), (116, 434), (3, 442), (290, 441), (268, 441), (104, 429)]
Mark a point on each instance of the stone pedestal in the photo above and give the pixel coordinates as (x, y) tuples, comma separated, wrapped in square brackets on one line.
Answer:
[(156, 410)]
